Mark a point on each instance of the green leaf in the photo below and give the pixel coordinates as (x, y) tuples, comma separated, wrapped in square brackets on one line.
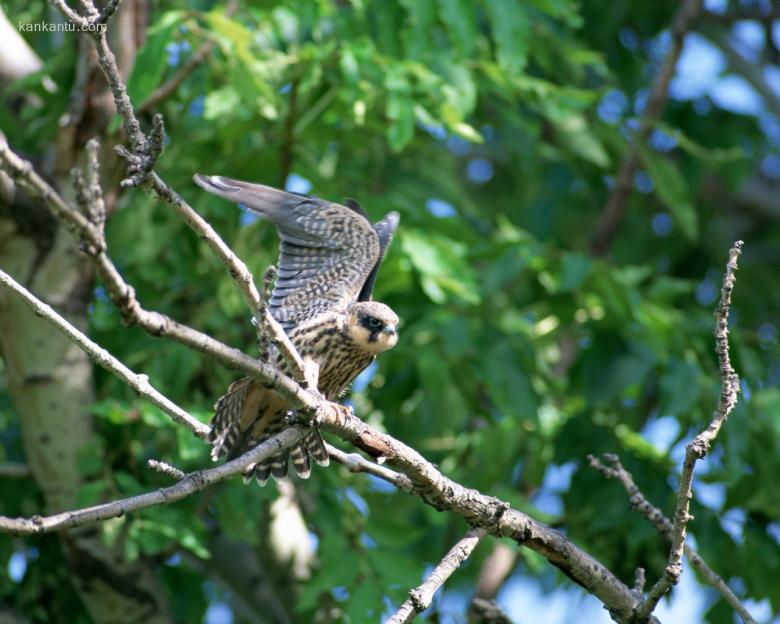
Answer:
[(511, 30), (400, 111), (152, 61), (220, 102), (575, 269), (672, 191), (441, 264), (461, 22), (575, 135)]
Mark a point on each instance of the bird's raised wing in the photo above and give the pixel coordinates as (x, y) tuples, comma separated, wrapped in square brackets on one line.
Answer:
[(328, 252)]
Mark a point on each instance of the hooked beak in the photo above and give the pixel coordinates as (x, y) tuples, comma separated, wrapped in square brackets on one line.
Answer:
[(389, 330)]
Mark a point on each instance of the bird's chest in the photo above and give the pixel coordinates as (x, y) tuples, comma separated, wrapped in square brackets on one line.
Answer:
[(340, 360)]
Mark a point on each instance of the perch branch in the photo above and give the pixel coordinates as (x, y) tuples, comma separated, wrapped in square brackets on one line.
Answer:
[(420, 598)]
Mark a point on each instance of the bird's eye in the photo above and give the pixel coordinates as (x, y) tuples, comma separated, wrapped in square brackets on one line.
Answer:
[(374, 322)]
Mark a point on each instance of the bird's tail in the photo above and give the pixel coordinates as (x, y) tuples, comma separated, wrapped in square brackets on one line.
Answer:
[(312, 447), (248, 414)]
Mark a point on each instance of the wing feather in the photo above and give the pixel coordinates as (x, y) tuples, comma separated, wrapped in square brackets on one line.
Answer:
[(328, 252)]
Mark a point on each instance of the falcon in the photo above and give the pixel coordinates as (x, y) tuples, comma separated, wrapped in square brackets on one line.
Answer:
[(329, 257)]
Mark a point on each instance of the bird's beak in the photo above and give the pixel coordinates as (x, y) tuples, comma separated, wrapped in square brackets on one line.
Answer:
[(389, 330)]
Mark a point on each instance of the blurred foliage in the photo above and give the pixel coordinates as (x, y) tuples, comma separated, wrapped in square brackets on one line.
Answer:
[(494, 127)]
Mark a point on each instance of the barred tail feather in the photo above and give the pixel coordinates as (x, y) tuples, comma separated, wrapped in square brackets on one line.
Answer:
[(225, 429), (316, 448), (300, 461)]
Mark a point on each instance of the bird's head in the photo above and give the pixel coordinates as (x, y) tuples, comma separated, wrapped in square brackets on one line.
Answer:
[(373, 325)]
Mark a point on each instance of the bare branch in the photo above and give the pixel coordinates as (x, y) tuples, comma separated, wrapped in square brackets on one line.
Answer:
[(101, 357), (14, 470), (355, 462), (78, 20), (23, 173), (613, 212), (480, 510), (165, 468), (420, 598), (699, 446), (610, 466), (107, 11), (191, 483)]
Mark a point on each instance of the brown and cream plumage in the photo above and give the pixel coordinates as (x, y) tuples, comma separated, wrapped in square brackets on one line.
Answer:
[(329, 257)]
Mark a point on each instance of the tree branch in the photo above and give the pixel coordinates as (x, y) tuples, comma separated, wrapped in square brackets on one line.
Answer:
[(610, 466), (424, 481), (699, 446), (420, 598), (14, 470), (101, 357), (608, 224), (355, 462), (191, 483)]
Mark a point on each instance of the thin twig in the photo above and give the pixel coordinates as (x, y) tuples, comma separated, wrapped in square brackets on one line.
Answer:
[(14, 470), (699, 446), (191, 483), (610, 466), (354, 462), (420, 598), (101, 357), (166, 89), (608, 224), (166, 469)]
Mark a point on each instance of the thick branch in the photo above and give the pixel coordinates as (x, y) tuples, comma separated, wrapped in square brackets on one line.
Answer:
[(616, 204), (699, 446), (481, 510), (420, 598)]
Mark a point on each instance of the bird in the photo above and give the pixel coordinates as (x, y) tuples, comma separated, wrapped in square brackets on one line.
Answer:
[(329, 258)]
